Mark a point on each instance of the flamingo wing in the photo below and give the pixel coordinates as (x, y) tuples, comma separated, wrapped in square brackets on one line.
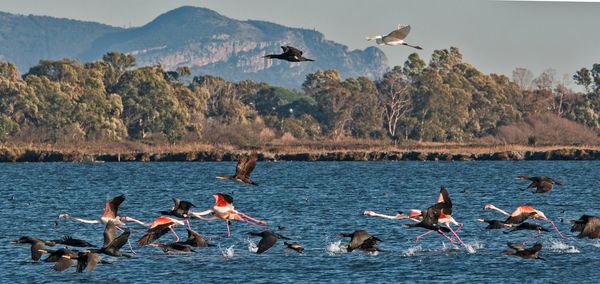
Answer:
[(445, 201), (111, 207)]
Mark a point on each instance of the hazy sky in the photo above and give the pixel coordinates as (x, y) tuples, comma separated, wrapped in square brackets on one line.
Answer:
[(495, 36)]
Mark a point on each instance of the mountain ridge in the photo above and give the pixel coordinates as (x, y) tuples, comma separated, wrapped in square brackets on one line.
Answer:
[(208, 43)]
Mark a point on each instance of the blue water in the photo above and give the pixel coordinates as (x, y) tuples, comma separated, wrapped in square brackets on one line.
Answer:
[(316, 200)]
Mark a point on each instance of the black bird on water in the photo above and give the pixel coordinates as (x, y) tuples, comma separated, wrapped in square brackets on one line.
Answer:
[(294, 246), (520, 250), (173, 247), (72, 242), (244, 168), (541, 184), (360, 239), (86, 260), (494, 224), (290, 53), (113, 244), (267, 241), (37, 245), (529, 226), (194, 239), (588, 226)]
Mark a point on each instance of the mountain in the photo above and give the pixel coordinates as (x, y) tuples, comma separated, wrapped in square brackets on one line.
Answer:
[(202, 39), (25, 40)]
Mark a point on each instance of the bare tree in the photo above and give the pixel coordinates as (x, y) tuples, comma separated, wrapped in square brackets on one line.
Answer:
[(523, 78), (394, 98)]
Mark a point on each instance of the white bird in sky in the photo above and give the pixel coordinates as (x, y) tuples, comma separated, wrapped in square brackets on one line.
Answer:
[(394, 38)]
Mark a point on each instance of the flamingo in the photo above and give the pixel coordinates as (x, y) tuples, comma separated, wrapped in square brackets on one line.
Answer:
[(243, 169), (224, 210), (110, 213), (158, 228), (523, 213), (290, 53), (541, 184), (444, 216), (588, 226), (396, 37)]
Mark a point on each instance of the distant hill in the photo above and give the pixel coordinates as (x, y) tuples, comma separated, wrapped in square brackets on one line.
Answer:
[(25, 40), (202, 39)]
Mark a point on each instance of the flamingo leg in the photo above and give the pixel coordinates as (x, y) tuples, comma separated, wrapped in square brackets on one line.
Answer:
[(422, 235), (187, 221), (228, 231), (456, 235), (448, 238), (128, 242), (557, 230), (252, 223), (175, 234), (261, 222)]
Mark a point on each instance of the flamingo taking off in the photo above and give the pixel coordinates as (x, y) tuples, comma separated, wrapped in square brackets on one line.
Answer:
[(523, 213), (243, 169), (588, 226), (290, 53), (223, 209), (541, 184), (110, 213), (158, 228), (396, 37)]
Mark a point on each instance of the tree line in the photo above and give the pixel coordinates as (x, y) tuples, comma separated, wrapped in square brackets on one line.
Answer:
[(444, 100)]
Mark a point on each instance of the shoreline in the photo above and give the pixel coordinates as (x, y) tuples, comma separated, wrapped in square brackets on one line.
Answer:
[(20, 155)]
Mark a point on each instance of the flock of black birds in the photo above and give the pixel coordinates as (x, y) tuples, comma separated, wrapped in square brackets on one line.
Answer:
[(435, 219)]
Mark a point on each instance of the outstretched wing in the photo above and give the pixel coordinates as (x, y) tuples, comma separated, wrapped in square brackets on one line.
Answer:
[(250, 164), (535, 248), (63, 264), (543, 186), (291, 50), (154, 234), (516, 246), (110, 233), (240, 167), (111, 207), (400, 33), (120, 241), (266, 243), (181, 206), (445, 201)]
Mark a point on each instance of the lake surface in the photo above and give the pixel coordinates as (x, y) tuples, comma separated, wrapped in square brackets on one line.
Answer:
[(316, 200)]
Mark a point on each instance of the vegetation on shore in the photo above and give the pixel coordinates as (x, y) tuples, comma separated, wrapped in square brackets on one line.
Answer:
[(111, 103)]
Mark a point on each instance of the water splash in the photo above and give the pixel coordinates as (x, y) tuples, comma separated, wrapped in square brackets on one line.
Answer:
[(336, 247), (473, 247), (559, 246), (596, 244), (412, 250), (228, 252), (252, 247)]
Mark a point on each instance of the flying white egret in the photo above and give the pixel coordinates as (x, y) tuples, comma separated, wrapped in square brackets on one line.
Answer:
[(394, 38)]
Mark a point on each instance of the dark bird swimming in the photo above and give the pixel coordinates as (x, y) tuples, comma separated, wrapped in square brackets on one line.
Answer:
[(588, 226), (360, 239)]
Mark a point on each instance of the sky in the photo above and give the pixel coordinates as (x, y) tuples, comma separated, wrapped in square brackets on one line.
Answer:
[(494, 36)]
